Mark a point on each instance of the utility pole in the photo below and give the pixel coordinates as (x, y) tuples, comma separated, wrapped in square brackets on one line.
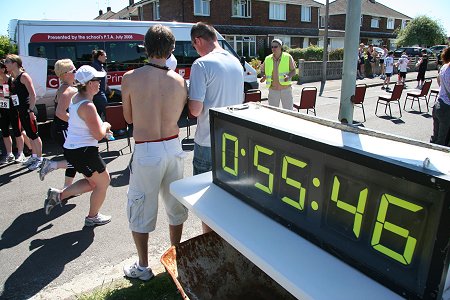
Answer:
[(325, 49), (351, 42)]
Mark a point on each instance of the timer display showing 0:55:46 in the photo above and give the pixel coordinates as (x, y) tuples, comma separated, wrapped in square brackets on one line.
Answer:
[(370, 219)]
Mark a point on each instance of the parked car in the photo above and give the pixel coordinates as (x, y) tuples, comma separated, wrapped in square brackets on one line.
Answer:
[(438, 48), (412, 51)]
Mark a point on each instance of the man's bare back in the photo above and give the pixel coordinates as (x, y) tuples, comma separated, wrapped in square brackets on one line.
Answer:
[(153, 100)]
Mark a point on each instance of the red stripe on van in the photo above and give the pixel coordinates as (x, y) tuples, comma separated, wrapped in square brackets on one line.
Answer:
[(85, 37)]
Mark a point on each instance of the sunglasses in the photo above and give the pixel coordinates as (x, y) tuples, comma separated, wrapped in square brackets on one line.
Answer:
[(8, 61), (274, 47), (72, 71), (95, 79)]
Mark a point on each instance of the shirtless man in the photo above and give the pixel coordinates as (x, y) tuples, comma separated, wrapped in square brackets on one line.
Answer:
[(153, 99)]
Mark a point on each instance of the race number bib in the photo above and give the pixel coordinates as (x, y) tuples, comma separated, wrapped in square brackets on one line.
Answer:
[(15, 100), (6, 90), (4, 103)]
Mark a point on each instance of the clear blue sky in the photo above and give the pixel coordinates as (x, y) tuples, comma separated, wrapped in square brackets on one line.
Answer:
[(88, 9)]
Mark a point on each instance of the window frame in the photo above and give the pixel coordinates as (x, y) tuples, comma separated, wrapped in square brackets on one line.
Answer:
[(373, 25), (199, 7), (303, 16), (404, 23), (155, 7), (237, 10), (390, 21), (272, 13)]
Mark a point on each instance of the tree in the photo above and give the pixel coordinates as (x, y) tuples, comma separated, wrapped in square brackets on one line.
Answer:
[(422, 31), (6, 47)]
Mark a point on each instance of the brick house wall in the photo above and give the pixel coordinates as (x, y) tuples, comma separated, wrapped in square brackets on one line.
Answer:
[(221, 13), (338, 22)]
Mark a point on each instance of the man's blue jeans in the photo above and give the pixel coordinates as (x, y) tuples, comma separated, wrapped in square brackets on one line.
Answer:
[(202, 159), (441, 123)]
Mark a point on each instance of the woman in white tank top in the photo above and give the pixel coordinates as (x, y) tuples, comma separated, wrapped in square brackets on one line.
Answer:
[(80, 148)]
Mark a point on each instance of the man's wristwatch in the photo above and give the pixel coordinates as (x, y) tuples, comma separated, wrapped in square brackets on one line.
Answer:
[(30, 110)]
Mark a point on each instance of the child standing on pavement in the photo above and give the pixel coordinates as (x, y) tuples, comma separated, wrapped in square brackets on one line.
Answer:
[(402, 66), (389, 69), (422, 64)]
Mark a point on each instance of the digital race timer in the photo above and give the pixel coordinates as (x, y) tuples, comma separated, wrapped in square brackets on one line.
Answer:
[(379, 204)]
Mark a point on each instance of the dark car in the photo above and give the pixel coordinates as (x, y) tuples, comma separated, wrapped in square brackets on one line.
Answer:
[(438, 48), (412, 51)]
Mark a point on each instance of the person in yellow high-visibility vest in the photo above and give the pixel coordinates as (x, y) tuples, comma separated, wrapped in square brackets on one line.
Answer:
[(277, 70)]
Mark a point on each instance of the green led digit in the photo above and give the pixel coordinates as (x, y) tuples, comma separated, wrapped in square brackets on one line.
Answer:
[(381, 224), (228, 137), (268, 189), (357, 211), (300, 203)]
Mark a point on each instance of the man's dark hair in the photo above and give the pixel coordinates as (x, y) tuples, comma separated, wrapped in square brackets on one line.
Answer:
[(204, 31), (97, 52), (159, 41)]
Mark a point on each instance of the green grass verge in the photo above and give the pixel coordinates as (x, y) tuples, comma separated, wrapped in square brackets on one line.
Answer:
[(161, 287)]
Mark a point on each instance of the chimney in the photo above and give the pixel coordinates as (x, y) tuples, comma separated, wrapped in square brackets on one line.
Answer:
[(108, 8), (131, 2), (100, 12)]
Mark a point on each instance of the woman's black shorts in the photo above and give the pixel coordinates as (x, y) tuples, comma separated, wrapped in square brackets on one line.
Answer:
[(85, 160)]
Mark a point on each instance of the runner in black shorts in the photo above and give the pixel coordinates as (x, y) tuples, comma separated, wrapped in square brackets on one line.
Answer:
[(23, 94), (65, 70), (9, 117), (81, 151)]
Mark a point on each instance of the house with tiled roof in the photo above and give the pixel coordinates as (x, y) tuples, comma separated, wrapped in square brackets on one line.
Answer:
[(378, 23), (128, 13), (248, 25)]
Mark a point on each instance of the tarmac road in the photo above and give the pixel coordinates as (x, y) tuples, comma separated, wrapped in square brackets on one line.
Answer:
[(55, 257)]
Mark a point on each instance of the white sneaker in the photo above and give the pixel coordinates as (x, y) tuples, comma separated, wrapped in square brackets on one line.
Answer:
[(21, 159), (53, 199), (134, 271), (36, 164), (29, 161), (46, 167), (98, 220), (7, 159)]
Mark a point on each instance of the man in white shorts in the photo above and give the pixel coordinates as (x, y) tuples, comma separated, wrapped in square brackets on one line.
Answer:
[(158, 158)]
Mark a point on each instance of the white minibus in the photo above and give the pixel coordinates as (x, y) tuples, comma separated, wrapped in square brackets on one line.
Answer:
[(121, 39)]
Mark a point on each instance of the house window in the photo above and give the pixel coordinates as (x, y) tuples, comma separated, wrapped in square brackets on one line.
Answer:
[(375, 23), (201, 7), (403, 24), (285, 39), (305, 15), (156, 10), (242, 8), (243, 45), (322, 21), (390, 23), (277, 11)]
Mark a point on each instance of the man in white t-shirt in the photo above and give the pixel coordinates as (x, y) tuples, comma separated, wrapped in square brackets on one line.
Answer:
[(402, 66), (389, 70), (216, 80)]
